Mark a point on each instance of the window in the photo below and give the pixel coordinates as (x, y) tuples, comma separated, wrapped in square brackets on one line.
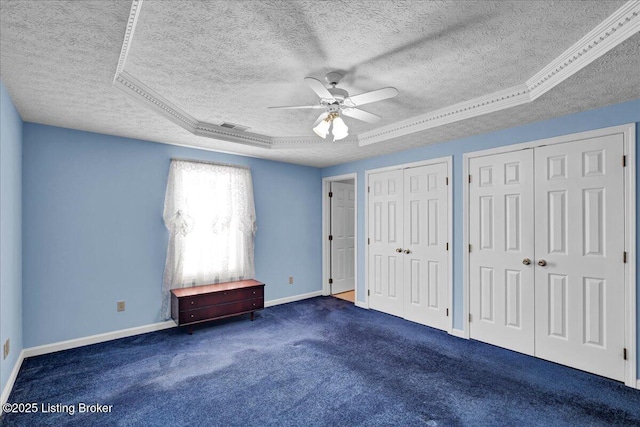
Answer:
[(210, 214)]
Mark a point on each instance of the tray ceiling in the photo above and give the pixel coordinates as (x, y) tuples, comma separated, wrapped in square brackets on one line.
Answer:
[(190, 66)]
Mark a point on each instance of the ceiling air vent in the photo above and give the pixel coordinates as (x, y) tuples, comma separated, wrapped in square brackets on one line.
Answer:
[(234, 126)]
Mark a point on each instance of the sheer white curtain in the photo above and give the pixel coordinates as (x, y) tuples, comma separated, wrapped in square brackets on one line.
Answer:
[(210, 214)]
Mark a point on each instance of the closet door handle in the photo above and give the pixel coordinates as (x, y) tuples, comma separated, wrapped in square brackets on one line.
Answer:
[(542, 263), (407, 251), (526, 261), (398, 250)]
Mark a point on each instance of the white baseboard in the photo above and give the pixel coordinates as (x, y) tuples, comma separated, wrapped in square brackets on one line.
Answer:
[(458, 333), (285, 300), (638, 384), (108, 336), (94, 339), (361, 305), (12, 379)]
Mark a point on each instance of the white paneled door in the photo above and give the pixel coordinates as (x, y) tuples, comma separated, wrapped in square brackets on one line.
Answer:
[(408, 231), (546, 276), (385, 242), (501, 259), (343, 237), (579, 222), (425, 238)]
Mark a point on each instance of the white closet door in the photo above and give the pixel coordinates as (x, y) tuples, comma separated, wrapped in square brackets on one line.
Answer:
[(425, 240), (580, 236), (385, 233), (501, 282), (342, 231)]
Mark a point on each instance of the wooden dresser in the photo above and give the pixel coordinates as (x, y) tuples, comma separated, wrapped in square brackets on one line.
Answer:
[(209, 302)]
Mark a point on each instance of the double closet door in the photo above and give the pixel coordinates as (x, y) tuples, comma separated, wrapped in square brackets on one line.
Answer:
[(546, 276), (408, 229)]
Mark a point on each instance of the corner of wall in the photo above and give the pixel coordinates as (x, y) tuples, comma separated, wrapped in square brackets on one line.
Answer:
[(11, 242)]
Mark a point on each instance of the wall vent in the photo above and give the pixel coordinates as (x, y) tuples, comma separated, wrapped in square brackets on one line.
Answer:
[(234, 126)]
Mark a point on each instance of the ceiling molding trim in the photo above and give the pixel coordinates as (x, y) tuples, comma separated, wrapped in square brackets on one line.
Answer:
[(147, 96), (297, 140), (144, 94), (617, 28), (486, 104), (622, 24), (136, 5), (218, 132)]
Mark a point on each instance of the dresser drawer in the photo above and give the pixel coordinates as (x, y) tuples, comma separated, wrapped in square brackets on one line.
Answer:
[(222, 297), (220, 310)]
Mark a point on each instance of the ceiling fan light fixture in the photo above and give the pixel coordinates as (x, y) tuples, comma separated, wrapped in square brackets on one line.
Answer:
[(340, 129), (322, 128)]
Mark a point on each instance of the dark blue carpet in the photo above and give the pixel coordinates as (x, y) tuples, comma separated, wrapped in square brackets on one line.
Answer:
[(319, 362)]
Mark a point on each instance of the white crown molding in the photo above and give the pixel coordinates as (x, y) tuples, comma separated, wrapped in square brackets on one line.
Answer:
[(141, 92), (496, 101), (136, 5), (617, 28), (622, 24), (210, 130)]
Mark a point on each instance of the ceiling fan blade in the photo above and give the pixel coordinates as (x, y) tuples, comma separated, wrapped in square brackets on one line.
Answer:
[(320, 118), (294, 107), (317, 86), (374, 96), (359, 114)]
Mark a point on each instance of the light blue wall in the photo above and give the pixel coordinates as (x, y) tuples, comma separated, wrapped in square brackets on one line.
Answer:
[(10, 233), (603, 117), (93, 230)]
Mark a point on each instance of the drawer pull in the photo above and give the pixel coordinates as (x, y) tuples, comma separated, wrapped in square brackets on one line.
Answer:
[(254, 304), (192, 302), (192, 316), (254, 292)]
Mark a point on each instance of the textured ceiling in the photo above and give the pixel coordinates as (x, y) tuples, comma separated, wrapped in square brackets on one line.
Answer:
[(228, 61)]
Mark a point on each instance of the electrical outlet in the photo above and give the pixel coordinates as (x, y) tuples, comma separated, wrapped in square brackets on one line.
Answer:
[(120, 305), (291, 280), (5, 349)]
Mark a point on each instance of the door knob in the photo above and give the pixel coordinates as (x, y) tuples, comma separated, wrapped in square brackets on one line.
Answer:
[(398, 250), (407, 251), (526, 261), (542, 263)]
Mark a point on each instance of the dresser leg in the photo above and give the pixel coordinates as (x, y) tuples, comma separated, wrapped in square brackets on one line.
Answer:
[(190, 329), (252, 316)]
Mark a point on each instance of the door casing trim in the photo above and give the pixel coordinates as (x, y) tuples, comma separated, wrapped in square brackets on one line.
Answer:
[(326, 215)]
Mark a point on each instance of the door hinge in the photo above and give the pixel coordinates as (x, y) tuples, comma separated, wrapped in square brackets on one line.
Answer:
[(330, 193), (469, 247), (368, 241), (624, 353), (447, 312), (368, 293), (330, 281), (469, 179), (446, 180), (624, 161), (624, 257), (447, 246), (330, 237), (368, 189), (469, 317)]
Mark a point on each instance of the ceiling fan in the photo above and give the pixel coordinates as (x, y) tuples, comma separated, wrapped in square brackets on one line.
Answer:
[(337, 102)]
